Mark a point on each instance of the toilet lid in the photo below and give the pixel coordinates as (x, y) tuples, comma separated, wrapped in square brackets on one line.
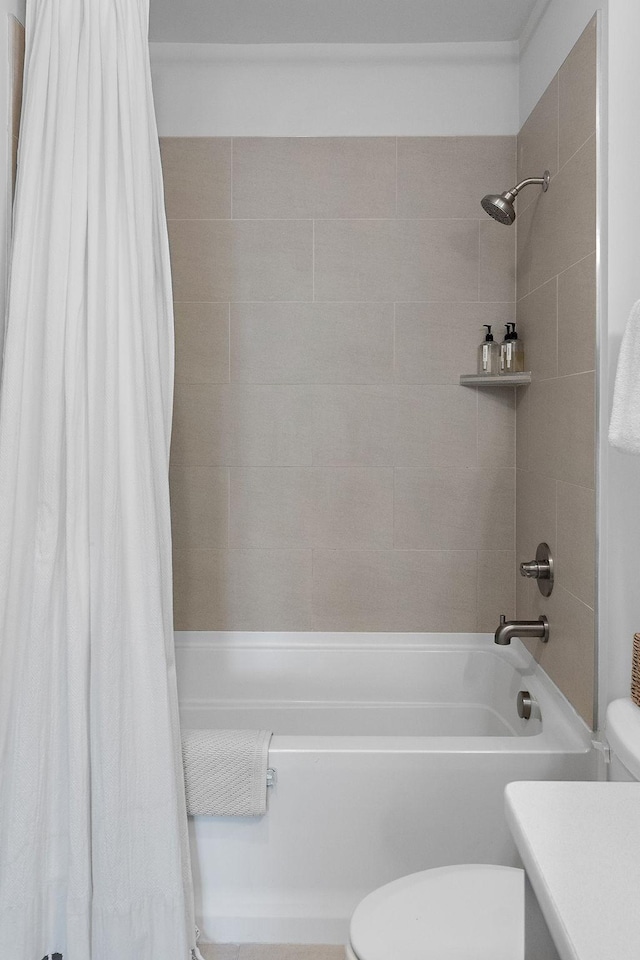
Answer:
[(462, 912), (622, 730)]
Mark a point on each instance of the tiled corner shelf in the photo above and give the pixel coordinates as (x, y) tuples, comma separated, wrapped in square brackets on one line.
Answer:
[(508, 380)]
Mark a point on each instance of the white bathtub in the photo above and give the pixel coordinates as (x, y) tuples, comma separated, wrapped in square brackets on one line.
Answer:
[(392, 752)]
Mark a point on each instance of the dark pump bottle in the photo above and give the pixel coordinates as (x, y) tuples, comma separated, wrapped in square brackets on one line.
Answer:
[(489, 355)]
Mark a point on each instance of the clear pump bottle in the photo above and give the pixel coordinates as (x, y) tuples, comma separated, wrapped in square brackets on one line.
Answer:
[(504, 349), (489, 355), (511, 353)]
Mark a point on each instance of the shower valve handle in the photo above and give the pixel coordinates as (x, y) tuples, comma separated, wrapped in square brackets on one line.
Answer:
[(540, 569), (535, 570)]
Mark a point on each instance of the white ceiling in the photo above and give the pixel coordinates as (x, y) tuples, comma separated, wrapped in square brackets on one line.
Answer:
[(337, 21)]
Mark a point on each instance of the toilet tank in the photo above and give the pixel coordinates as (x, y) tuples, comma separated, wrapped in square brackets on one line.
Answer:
[(622, 730)]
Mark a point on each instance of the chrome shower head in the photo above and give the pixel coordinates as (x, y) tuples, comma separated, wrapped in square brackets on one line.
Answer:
[(501, 206)]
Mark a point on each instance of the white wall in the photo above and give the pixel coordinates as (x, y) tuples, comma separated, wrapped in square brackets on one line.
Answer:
[(621, 542), (17, 9), (301, 90)]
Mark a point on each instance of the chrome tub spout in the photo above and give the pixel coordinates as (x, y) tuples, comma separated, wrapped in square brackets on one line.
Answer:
[(521, 628)]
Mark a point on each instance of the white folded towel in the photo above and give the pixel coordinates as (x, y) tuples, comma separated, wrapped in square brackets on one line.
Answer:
[(624, 429), (225, 772)]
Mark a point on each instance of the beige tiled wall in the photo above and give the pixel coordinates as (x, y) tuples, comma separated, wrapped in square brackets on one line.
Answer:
[(556, 312), (328, 472)]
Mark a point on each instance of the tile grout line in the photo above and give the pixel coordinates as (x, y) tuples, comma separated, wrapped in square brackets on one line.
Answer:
[(396, 178), (561, 376), (313, 261), (394, 363), (231, 178), (573, 155), (479, 256), (477, 589), (328, 219), (576, 598), (529, 292), (477, 393), (228, 508), (515, 239), (346, 383), (393, 511), (515, 482), (372, 548), (389, 302), (555, 545), (558, 127), (591, 253), (557, 327)]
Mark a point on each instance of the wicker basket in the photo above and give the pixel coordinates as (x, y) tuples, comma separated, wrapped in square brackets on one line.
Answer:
[(635, 670)]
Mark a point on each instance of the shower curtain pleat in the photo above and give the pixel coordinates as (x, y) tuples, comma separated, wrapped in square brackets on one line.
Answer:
[(94, 861)]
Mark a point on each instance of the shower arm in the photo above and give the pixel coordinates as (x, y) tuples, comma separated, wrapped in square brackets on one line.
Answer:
[(538, 181)]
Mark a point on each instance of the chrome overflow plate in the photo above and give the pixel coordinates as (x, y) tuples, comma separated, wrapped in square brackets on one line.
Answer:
[(525, 704), (540, 569)]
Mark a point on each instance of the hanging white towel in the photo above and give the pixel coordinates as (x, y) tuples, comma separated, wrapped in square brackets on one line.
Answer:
[(225, 772), (624, 429)]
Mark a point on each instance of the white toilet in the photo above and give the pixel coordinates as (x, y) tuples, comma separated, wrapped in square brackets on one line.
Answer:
[(469, 911), (622, 730)]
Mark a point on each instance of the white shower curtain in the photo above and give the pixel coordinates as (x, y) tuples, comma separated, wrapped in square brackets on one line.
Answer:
[(93, 852)]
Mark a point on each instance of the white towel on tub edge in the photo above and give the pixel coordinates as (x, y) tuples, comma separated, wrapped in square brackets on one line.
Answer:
[(226, 772)]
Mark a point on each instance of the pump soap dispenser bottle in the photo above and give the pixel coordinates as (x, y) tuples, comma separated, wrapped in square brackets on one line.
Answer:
[(489, 355), (502, 367), (513, 355)]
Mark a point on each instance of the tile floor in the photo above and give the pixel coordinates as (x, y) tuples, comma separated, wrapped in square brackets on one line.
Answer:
[(270, 951)]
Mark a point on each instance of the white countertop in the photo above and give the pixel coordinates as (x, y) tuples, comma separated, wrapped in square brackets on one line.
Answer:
[(580, 845)]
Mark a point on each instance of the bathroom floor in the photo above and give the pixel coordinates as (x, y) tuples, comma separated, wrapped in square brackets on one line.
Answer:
[(270, 951)]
